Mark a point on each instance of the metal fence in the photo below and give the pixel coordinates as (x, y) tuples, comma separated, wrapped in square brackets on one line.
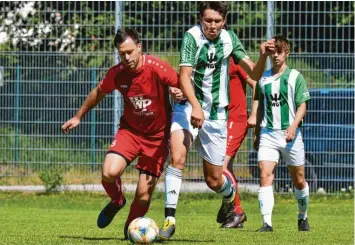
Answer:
[(53, 53)]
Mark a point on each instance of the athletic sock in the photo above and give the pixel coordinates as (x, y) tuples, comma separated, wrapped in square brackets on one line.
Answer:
[(173, 181), (302, 199), (266, 203), (114, 191), (227, 190), (238, 207), (136, 211)]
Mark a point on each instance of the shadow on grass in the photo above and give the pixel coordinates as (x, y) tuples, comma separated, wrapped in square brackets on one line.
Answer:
[(122, 239), (93, 238), (184, 240)]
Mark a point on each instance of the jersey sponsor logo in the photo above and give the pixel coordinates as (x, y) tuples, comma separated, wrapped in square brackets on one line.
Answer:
[(275, 99), (124, 86), (211, 58), (140, 104)]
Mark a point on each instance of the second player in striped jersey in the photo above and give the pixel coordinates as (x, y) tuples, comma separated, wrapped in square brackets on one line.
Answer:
[(281, 104)]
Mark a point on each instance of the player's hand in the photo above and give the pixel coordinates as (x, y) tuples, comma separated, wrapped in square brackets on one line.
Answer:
[(290, 133), (70, 124), (176, 94), (251, 121), (197, 116), (267, 48)]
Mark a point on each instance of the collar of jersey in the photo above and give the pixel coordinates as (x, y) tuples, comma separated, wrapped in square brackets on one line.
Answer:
[(276, 78)]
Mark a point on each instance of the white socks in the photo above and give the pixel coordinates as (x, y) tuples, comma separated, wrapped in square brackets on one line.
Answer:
[(227, 190), (266, 203), (302, 199), (173, 180)]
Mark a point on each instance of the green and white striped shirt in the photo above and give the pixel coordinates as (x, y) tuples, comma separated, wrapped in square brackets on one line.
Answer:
[(280, 97), (210, 62)]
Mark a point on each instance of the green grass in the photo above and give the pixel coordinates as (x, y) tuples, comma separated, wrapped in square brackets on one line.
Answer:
[(70, 218)]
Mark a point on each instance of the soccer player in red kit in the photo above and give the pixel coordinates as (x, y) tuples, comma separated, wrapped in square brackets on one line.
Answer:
[(237, 128), (143, 81)]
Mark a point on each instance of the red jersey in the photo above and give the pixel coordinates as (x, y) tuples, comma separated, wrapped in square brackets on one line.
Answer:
[(237, 105), (147, 109)]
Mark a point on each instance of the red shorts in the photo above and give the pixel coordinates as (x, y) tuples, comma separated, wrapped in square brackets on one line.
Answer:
[(236, 133), (152, 153)]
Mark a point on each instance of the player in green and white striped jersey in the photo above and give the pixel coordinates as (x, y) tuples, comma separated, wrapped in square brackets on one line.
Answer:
[(210, 64), (281, 97), (204, 79)]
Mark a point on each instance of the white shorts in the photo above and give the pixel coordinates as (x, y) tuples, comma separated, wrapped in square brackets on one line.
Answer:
[(273, 144), (212, 136)]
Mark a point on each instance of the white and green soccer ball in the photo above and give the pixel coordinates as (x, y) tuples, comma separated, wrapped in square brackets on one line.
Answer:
[(143, 230)]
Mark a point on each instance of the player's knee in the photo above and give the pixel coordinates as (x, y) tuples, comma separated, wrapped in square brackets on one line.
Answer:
[(178, 160), (110, 174), (213, 183), (299, 183), (266, 176)]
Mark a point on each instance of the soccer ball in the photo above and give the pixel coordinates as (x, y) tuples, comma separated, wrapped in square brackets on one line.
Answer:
[(143, 230)]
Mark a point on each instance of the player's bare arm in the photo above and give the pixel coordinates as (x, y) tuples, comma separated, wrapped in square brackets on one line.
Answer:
[(290, 133), (94, 97), (259, 110), (255, 71), (197, 116), (251, 122)]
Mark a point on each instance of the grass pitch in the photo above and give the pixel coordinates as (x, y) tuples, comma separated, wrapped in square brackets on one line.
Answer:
[(70, 218)]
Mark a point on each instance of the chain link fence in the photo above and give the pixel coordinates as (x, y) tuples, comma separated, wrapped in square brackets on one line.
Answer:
[(53, 53)]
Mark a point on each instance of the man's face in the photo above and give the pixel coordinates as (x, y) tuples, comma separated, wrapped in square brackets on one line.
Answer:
[(212, 23), (129, 53), (279, 57)]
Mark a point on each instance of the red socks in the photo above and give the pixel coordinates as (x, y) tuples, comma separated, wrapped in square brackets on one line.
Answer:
[(114, 191), (137, 210)]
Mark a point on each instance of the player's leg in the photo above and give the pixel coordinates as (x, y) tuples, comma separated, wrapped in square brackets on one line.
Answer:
[(181, 139), (268, 157), (239, 217), (294, 157), (143, 196), (301, 194), (212, 148), (265, 193), (236, 134), (234, 220), (229, 173), (180, 143), (218, 182), (116, 160), (222, 185)]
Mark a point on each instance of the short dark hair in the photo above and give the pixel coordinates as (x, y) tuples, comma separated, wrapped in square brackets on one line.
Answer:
[(281, 43), (123, 34), (220, 7)]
